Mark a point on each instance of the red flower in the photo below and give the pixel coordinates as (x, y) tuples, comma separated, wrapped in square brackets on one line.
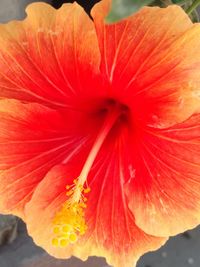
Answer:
[(100, 129)]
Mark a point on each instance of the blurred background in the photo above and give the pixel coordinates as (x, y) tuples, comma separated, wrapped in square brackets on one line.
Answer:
[(17, 248)]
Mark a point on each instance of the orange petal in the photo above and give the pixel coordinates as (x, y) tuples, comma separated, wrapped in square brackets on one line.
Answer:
[(111, 232), (165, 194), (42, 57), (33, 138), (152, 60)]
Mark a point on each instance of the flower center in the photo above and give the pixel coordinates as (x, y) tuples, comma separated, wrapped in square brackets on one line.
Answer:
[(69, 223)]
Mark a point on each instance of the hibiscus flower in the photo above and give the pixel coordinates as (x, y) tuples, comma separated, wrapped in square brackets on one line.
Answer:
[(100, 129)]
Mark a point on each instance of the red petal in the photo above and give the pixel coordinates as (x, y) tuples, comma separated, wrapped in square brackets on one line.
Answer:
[(152, 60), (33, 138), (111, 233), (50, 56), (165, 194)]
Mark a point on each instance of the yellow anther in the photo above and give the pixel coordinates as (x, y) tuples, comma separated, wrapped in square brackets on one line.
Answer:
[(68, 187), (75, 181), (69, 193), (64, 242), (73, 238), (66, 228), (87, 190), (83, 230), (55, 242), (83, 205), (69, 222), (56, 229)]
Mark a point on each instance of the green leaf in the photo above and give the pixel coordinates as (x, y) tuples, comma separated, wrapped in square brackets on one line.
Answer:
[(123, 8), (193, 6), (194, 16)]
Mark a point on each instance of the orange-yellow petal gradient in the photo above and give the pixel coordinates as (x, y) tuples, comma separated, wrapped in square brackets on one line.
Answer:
[(152, 60), (165, 194), (33, 138), (49, 57), (61, 74), (111, 231), (41, 60)]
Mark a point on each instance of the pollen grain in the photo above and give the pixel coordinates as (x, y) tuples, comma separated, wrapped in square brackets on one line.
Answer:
[(69, 223)]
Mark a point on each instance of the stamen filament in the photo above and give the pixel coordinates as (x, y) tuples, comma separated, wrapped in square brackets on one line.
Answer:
[(69, 222), (107, 126)]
